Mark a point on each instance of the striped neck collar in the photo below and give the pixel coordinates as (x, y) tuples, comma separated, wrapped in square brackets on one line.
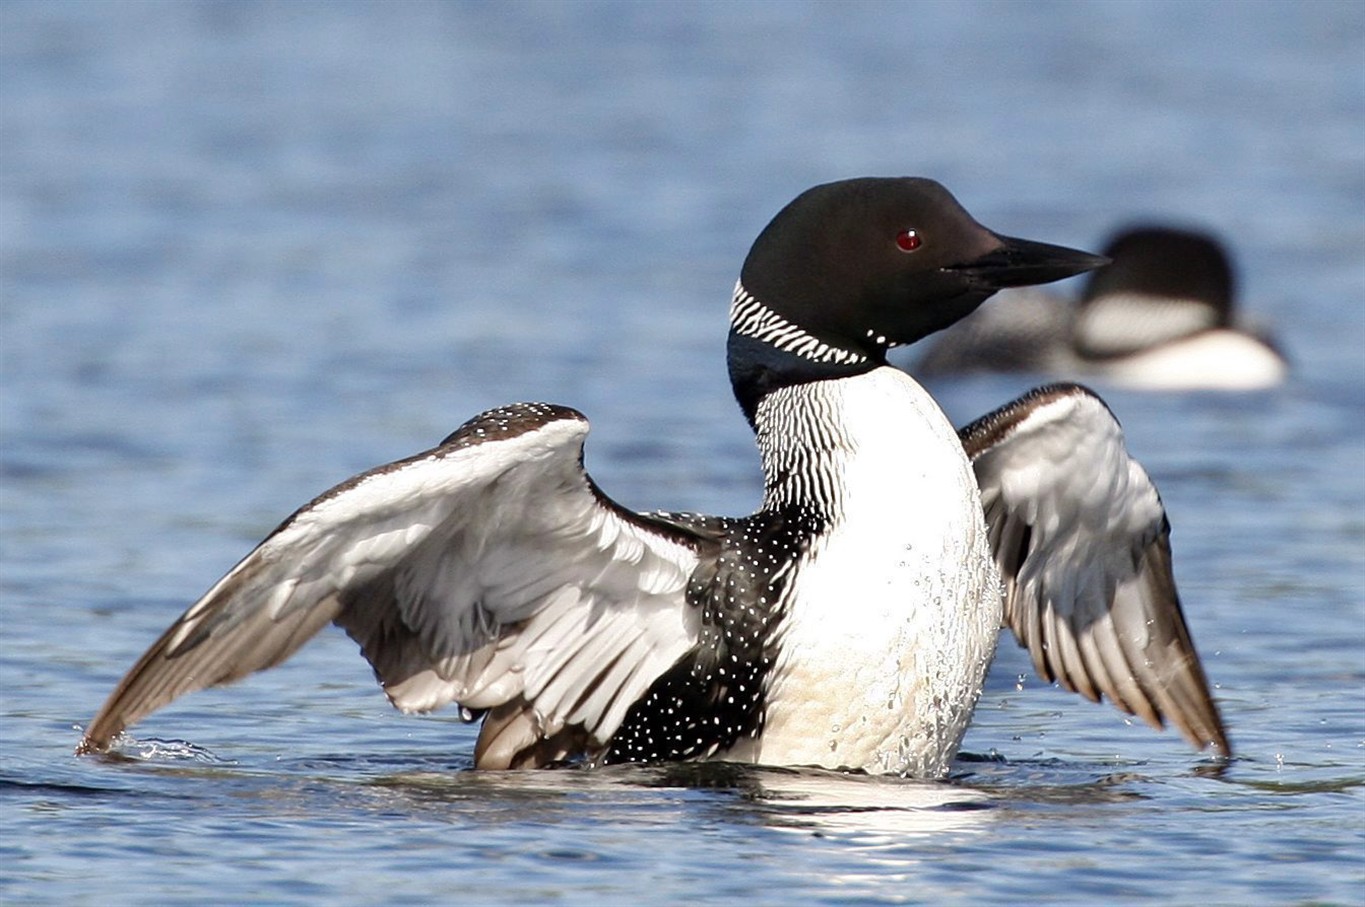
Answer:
[(751, 318)]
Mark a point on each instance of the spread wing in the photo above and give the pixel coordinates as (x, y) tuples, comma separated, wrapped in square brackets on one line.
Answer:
[(489, 571), (1082, 541)]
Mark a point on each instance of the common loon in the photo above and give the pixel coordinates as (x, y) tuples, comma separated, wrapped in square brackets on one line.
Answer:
[(848, 623), (1160, 317)]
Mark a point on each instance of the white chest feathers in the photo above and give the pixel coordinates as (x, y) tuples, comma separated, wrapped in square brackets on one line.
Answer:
[(891, 619)]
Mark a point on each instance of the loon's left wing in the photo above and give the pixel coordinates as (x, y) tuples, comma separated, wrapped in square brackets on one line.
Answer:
[(489, 571), (1082, 541)]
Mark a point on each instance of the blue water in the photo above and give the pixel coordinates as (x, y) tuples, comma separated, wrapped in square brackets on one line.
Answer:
[(247, 250)]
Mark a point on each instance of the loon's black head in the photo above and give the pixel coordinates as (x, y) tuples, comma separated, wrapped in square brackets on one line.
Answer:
[(852, 268), (1163, 284), (1166, 263)]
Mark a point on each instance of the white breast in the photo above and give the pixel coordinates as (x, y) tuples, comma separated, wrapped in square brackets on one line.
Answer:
[(1211, 360), (893, 617)]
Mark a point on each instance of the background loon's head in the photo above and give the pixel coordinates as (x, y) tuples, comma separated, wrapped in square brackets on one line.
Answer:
[(849, 269), (1164, 284), (1166, 263)]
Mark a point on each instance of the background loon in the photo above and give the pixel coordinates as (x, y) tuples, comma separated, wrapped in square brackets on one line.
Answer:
[(847, 624), (1161, 316)]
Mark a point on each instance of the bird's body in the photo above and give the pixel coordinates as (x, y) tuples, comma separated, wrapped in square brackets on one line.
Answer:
[(892, 618), (848, 623), (1217, 359)]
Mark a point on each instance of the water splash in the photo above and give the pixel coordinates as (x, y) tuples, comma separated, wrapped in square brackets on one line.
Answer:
[(153, 749)]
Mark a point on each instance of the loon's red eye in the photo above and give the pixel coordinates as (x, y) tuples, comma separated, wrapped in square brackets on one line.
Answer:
[(908, 240)]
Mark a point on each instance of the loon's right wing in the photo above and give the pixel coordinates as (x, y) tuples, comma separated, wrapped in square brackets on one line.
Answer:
[(489, 571), (1082, 542)]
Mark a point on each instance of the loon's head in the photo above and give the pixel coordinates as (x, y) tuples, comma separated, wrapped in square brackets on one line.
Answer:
[(1164, 284), (1166, 263), (850, 269)]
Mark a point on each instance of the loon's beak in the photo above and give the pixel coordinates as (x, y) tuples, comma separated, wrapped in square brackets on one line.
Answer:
[(1023, 263)]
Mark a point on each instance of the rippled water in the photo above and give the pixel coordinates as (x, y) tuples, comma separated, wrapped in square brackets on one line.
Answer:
[(247, 250)]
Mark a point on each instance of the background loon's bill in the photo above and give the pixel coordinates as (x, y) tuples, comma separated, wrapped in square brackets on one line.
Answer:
[(1162, 316), (848, 623)]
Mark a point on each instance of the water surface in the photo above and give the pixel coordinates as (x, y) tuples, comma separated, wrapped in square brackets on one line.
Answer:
[(248, 250)]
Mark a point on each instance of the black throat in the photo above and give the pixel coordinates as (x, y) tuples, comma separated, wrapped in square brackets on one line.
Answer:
[(765, 352)]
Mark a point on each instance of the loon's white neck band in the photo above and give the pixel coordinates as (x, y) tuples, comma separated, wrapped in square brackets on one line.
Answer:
[(751, 318)]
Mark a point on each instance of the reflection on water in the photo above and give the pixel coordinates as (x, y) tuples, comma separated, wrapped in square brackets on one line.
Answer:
[(871, 811)]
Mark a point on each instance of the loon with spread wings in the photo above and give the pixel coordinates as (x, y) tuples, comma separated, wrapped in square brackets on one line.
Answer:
[(848, 623)]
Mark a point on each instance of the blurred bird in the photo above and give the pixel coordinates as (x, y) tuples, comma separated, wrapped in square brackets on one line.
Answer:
[(1160, 317)]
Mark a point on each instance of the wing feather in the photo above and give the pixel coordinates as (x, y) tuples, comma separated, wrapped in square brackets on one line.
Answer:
[(1082, 542), (488, 571)]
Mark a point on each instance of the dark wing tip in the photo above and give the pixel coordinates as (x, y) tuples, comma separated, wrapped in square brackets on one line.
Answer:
[(1222, 746), (91, 745), (226, 635), (1187, 700), (104, 729), (1166, 677)]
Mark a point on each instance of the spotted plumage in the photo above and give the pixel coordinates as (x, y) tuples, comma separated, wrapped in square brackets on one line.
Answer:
[(715, 694)]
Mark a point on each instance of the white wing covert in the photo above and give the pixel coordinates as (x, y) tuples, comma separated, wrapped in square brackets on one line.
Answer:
[(488, 571), (1082, 541)]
